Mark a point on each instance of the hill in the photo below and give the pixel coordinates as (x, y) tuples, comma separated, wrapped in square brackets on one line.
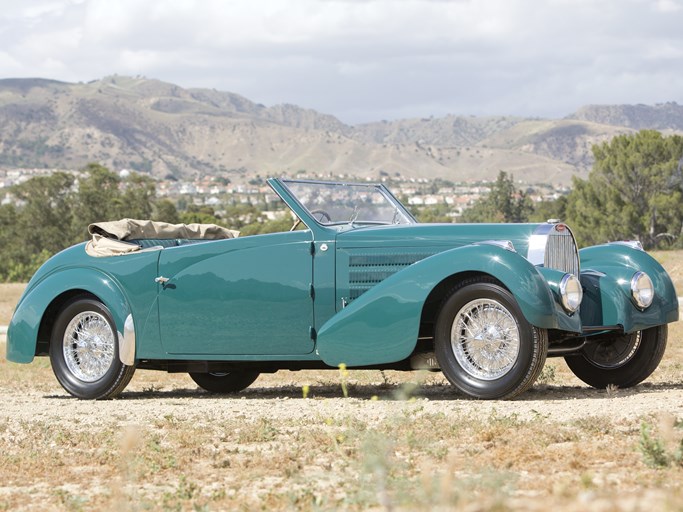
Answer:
[(168, 131)]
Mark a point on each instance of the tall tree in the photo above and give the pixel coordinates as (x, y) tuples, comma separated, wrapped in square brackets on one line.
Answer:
[(634, 191), (504, 203), (137, 199), (53, 212), (44, 217)]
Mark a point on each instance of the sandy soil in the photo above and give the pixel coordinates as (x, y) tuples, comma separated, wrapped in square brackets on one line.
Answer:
[(143, 407)]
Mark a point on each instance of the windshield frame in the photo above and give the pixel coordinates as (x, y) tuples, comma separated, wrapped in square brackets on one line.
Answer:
[(399, 210)]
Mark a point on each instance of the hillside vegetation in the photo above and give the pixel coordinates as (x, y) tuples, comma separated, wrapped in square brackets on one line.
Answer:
[(168, 131)]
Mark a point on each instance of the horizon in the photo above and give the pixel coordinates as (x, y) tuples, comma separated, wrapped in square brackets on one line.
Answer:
[(237, 93)]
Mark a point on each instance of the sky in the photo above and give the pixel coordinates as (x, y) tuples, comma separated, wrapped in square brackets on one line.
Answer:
[(364, 61)]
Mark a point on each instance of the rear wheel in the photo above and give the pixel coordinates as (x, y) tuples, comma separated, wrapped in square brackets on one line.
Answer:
[(483, 343), (623, 361), (84, 351), (224, 382)]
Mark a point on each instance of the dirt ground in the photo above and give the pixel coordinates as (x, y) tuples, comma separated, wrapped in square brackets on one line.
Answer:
[(165, 445)]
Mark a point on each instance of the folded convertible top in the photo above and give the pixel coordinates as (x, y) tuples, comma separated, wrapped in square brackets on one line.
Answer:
[(112, 238)]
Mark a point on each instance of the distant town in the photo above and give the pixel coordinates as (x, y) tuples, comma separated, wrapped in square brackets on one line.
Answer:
[(218, 191)]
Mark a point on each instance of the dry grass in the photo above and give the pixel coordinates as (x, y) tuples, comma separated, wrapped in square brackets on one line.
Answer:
[(391, 445), (338, 454), (9, 296)]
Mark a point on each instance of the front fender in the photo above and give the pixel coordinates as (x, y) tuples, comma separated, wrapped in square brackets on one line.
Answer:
[(23, 330), (606, 272), (381, 326)]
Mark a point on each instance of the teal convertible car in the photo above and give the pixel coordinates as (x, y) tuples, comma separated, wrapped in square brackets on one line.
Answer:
[(356, 281)]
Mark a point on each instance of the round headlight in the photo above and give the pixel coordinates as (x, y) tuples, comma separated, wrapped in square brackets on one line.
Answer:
[(571, 292), (642, 289)]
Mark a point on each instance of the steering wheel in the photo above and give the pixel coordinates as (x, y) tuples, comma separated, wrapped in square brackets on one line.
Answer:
[(323, 217)]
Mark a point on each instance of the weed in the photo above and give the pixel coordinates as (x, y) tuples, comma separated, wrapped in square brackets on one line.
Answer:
[(652, 448), (261, 432), (587, 480), (184, 492), (406, 391), (344, 377), (71, 501), (386, 381), (548, 375), (151, 389)]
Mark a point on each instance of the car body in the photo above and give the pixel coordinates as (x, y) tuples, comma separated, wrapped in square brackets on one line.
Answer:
[(359, 282)]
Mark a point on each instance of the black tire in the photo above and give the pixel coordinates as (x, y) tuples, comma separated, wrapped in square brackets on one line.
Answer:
[(622, 361), (91, 370), (514, 349), (225, 382)]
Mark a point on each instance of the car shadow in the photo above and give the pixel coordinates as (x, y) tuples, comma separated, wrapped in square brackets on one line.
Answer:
[(393, 392)]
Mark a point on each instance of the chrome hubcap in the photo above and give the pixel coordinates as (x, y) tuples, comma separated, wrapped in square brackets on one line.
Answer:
[(614, 353), (485, 339), (89, 346)]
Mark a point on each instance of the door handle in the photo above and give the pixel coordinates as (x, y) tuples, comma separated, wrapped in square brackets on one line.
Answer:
[(161, 280)]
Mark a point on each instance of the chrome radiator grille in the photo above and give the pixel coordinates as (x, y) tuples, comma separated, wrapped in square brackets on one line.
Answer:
[(553, 246)]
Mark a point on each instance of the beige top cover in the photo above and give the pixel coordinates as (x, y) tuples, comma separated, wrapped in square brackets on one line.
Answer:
[(109, 238)]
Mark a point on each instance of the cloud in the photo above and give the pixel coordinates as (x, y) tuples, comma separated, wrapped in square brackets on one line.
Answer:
[(365, 60)]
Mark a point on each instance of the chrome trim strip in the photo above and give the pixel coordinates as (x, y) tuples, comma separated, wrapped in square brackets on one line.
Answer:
[(503, 244), (633, 244), (127, 342), (537, 244)]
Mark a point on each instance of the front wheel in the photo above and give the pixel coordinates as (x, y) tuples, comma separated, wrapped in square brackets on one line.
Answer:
[(623, 361), (224, 382), (84, 351), (483, 343)]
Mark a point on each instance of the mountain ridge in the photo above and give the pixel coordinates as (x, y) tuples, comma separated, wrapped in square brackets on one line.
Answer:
[(172, 132)]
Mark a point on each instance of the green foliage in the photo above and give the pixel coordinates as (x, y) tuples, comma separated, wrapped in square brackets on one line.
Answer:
[(137, 198), (431, 214), (546, 210), (165, 211), (503, 204), (654, 448), (635, 191), (54, 212), (268, 226), (200, 215)]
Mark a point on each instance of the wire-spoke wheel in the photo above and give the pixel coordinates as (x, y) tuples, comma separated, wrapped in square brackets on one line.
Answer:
[(483, 343), (623, 360), (88, 346), (485, 339), (84, 351)]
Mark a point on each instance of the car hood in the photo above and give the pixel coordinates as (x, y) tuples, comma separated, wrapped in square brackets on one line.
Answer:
[(436, 235)]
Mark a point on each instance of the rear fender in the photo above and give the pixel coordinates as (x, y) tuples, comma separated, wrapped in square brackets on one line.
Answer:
[(23, 331), (381, 326), (606, 272)]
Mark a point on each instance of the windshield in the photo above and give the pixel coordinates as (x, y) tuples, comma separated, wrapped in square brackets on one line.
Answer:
[(344, 203)]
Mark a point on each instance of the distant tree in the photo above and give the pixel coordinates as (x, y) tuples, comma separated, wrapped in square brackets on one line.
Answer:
[(53, 212), (44, 219), (504, 203), (553, 209), (39, 227), (98, 198), (165, 211), (137, 199), (200, 215), (430, 214), (634, 191), (268, 226)]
